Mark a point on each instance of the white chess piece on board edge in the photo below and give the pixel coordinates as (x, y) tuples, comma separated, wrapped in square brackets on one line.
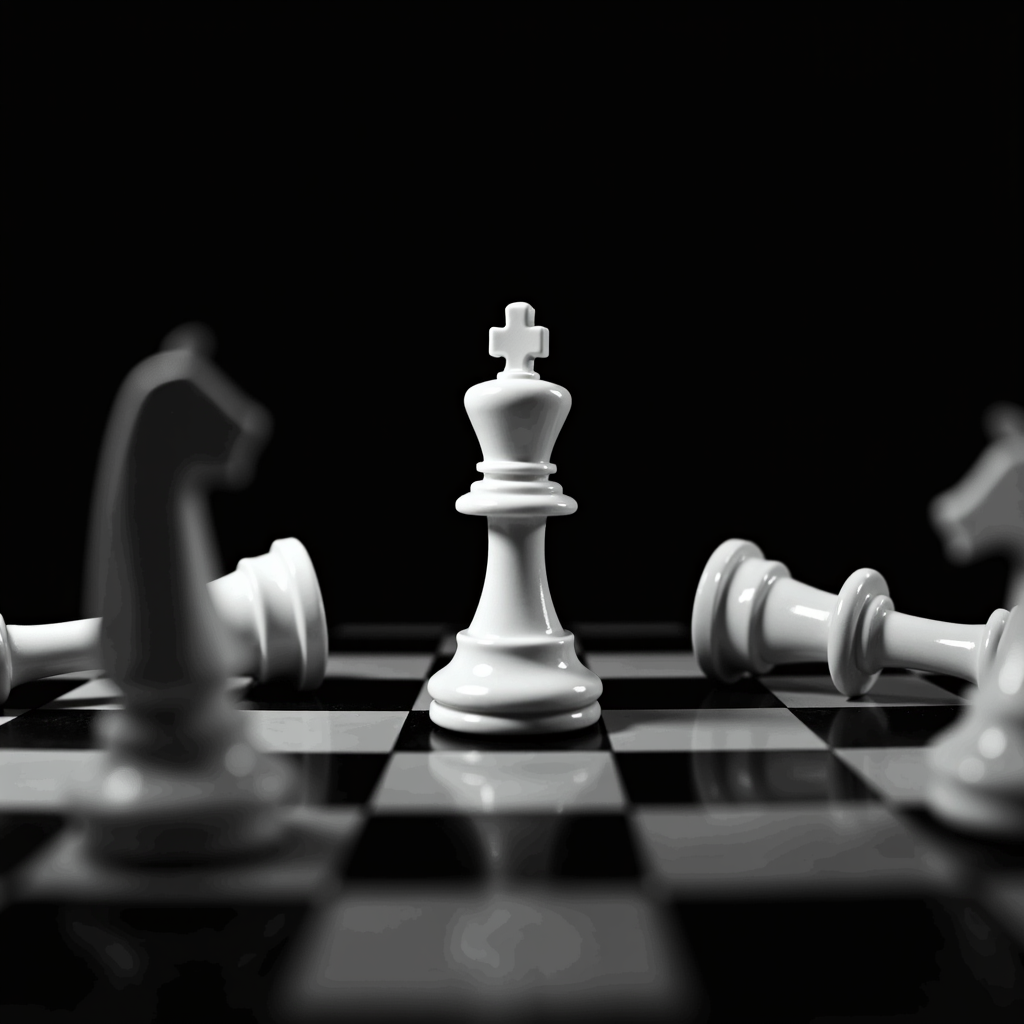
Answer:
[(271, 604), (976, 780), (749, 615), (515, 669)]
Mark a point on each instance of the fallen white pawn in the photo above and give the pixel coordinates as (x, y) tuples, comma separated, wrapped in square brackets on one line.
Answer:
[(749, 615), (271, 605)]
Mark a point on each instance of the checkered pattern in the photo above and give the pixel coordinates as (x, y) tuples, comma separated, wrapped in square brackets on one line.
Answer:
[(705, 852)]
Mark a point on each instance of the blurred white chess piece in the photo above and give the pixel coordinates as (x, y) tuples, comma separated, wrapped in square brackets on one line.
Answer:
[(515, 669), (984, 513), (179, 779), (271, 605), (977, 764), (749, 615)]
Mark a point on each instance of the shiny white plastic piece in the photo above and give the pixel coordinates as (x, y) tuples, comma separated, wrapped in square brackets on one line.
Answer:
[(977, 764), (749, 615), (274, 611), (520, 341), (515, 669), (271, 605), (983, 514)]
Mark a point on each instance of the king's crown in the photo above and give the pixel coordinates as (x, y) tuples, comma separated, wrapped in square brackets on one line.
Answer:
[(519, 341)]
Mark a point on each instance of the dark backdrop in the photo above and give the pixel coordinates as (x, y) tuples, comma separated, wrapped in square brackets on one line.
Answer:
[(778, 248)]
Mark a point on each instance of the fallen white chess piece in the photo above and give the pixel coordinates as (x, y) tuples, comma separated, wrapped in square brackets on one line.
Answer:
[(749, 615), (271, 604)]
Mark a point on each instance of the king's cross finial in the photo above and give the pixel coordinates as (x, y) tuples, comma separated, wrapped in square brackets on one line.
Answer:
[(519, 341)]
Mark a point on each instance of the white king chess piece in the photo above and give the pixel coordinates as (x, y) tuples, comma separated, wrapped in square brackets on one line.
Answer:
[(515, 669), (749, 615)]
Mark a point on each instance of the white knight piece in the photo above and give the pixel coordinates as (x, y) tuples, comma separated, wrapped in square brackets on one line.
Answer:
[(983, 514), (179, 779), (515, 669)]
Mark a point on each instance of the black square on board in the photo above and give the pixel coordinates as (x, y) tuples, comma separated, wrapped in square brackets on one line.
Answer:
[(808, 668), (335, 695), (387, 636), (418, 847), (22, 834), (332, 779), (631, 636), (796, 960), (121, 965), (594, 846), (739, 777), (473, 847), (50, 730), (37, 692), (498, 846), (687, 693), (876, 726), (959, 687)]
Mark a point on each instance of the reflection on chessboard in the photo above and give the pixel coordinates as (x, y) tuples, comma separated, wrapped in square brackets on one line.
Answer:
[(697, 834)]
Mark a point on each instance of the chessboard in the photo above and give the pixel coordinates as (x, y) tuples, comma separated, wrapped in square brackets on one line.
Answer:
[(705, 852)]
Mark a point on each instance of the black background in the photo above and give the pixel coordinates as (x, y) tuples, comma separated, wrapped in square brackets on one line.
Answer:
[(777, 246)]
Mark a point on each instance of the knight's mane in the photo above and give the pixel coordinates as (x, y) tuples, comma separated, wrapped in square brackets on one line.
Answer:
[(115, 452)]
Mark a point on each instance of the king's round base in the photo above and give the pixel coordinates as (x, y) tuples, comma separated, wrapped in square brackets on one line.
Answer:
[(515, 686), (503, 725)]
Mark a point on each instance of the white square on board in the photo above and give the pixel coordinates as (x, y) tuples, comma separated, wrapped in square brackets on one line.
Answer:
[(644, 664), (39, 779), (709, 729), (501, 781), (314, 731), (405, 954), (794, 847), (905, 690), (899, 773)]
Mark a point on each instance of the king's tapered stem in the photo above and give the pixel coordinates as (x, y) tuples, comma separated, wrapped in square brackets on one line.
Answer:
[(515, 599)]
